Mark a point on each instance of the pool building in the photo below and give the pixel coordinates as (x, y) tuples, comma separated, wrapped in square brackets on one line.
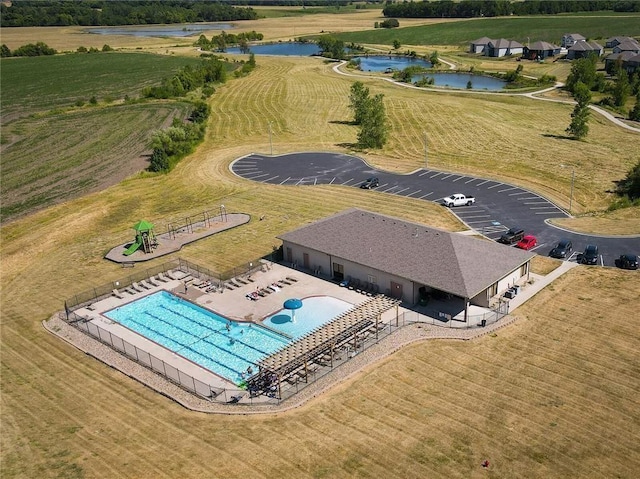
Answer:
[(406, 260)]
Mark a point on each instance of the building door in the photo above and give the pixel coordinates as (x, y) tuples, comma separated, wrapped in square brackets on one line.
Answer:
[(396, 290), (338, 271)]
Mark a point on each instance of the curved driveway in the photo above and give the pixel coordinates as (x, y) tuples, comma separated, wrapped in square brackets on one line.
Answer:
[(498, 206)]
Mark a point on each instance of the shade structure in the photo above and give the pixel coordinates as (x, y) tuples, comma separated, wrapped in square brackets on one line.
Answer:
[(143, 225), (292, 304)]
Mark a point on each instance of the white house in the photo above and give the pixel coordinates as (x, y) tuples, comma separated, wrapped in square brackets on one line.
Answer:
[(569, 39), (503, 47)]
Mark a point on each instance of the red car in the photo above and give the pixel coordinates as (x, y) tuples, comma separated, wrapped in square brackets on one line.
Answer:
[(527, 243)]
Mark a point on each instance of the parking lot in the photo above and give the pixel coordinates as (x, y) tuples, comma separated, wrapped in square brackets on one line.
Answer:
[(498, 207)]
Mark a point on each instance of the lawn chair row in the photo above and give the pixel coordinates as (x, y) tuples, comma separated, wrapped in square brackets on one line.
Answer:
[(369, 289), (150, 283)]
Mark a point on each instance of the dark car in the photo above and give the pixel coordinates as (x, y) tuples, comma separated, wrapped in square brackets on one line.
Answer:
[(562, 249), (627, 261), (512, 236), (370, 183), (590, 255)]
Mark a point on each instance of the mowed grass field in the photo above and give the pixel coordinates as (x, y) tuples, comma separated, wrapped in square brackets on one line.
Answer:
[(552, 395)]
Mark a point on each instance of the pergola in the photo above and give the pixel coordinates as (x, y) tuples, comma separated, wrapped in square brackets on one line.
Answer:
[(343, 328)]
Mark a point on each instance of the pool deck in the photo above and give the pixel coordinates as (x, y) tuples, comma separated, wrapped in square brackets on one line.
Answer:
[(234, 305)]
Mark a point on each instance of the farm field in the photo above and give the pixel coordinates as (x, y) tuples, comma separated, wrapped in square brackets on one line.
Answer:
[(548, 28), (553, 395)]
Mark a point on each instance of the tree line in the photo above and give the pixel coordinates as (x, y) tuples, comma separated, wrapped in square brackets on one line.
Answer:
[(498, 8), (224, 40), (32, 13)]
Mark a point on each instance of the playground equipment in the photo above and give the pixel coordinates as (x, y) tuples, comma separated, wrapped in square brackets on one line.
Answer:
[(145, 238)]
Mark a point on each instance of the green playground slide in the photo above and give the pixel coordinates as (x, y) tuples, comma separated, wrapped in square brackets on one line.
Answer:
[(133, 248)]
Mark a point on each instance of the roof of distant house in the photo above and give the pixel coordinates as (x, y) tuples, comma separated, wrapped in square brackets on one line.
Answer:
[(450, 262), (585, 46), (540, 45)]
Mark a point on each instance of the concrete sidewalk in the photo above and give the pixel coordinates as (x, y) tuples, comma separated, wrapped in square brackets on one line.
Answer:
[(537, 283)]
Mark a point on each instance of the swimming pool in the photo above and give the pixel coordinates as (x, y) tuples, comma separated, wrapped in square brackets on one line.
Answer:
[(225, 347), (315, 311)]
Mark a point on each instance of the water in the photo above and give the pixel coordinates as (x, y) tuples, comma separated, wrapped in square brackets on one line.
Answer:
[(282, 49), (227, 348), (315, 312), (460, 80), (379, 63), (178, 30)]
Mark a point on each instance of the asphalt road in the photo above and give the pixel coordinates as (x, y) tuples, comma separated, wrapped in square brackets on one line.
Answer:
[(498, 207)]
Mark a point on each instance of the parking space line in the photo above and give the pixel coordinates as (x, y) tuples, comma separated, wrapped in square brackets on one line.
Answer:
[(497, 184), (476, 216), (518, 193), (400, 191), (536, 203), (425, 173), (437, 174), (347, 182), (424, 196), (414, 193), (459, 178), (256, 176), (542, 207), (485, 181), (469, 181), (539, 246), (531, 198), (507, 189)]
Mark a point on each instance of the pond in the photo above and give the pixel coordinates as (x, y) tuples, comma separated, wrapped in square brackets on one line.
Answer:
[(299, 49), (177, 30), (460, 80), (381, 63)]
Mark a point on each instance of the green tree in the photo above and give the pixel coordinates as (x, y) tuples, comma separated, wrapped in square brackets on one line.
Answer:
[(4, 51), (634, 114), (331, 46), (583, 71), (434, 60), (358, 99), (159, 161), (396, 44), (374, 126), (106, 48), (622, 88), (630, 185), (578, 128)]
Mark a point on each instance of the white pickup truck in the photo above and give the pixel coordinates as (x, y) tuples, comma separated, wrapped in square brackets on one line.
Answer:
[(458, 200)]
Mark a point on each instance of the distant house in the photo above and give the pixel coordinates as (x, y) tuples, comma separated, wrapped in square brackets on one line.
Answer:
[(540, 51), (583, 49), (615, 41), (479, 45), (627, 46), (503, 47), (629, 61), (569, 39)]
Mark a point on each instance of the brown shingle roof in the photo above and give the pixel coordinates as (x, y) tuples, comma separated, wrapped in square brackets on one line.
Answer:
[(450, 262)]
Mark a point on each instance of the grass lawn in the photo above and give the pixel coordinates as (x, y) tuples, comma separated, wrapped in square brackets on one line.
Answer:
[(554, 395)]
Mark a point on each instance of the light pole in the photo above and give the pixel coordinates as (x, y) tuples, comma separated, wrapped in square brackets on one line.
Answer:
[(573, 179)]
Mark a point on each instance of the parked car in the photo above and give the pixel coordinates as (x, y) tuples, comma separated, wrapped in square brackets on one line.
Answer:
[(590, 255), (370, 183), (562, 249), (627, 261), (512, 236), (458, 199), (527, 243)]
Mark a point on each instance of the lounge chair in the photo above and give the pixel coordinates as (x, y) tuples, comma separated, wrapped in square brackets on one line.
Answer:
[(290, 278), (144, 284), (236, 398), (241, 281), (137, 287), (163, 278), (117, 294), (153, 281), (288, 283), (274, 287)]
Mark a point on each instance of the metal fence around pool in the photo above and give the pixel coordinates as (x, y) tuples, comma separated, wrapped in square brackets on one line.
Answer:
[(287, 388)]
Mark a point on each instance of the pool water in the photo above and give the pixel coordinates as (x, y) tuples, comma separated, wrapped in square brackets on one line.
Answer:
[(281, 49), (225, 347), (315, 312)]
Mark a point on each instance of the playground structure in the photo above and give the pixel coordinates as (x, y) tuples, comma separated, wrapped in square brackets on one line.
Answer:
[(145, 238), (149, 245)]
